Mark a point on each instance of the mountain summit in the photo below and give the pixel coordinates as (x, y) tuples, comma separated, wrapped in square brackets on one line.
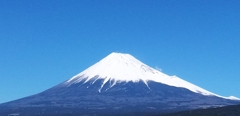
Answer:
[(119, 67), (118, 84)]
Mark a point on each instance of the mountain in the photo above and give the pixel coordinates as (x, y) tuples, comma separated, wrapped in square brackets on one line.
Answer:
[(118, 84)]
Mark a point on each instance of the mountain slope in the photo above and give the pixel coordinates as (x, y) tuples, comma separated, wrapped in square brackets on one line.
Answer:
[(119, 83)]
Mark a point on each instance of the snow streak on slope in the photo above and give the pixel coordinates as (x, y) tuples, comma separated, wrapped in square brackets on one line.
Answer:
[(119, 67)]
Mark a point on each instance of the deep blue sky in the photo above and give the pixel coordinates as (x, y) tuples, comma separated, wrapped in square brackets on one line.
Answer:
[(43, 42)]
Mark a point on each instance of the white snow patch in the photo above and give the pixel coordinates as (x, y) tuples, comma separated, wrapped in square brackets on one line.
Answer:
[(232, 98)]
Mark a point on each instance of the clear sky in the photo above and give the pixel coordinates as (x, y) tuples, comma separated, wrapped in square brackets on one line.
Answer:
[(45, 42)]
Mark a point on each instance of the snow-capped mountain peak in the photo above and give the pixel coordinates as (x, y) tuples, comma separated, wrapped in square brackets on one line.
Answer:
[(119, 67)]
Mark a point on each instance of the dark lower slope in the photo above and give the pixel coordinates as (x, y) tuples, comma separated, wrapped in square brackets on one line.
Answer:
[(233, 110), (123, 98), (57, 111)]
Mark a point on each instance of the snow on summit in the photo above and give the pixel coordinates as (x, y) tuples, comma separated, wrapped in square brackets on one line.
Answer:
[(119, 67)]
